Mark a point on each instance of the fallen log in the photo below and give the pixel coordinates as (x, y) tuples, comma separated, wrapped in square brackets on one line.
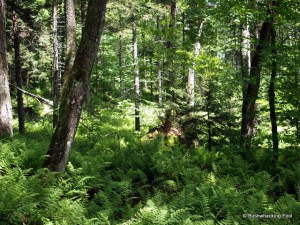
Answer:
[(44, 100)]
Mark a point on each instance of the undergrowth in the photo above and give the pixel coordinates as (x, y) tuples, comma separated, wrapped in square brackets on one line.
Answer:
[(114, 178)]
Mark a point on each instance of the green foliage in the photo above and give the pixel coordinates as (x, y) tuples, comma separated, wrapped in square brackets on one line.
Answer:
[(113, 178)]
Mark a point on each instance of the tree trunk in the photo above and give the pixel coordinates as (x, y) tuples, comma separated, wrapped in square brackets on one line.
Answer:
[(76, 87), (245, 55), (144, 78), (191, 76), (297, 123), (272, 98), (209, 120), (249, 107), (5, 102), (18, 73), (56, 80), (120, 57), (136, 74), (159, 74), (273, 117), (70, 35), (170, 82)]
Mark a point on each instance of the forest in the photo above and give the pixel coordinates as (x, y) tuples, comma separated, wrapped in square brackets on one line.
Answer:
[(141, 112)]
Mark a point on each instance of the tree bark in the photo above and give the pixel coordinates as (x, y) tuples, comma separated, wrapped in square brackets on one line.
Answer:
[(5, 101), (170, 81), (272, 97), (191, 76), (249, 107), (245, 55), (209, 120), (76, 87), (136, 73), (273, 117), (18, 73), (159, 73), (70, 36), (120, 57), (56, 80)]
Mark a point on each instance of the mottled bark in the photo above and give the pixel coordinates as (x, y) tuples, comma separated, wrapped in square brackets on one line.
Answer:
[(144, 78), (209, 120), (273, 117), (245, 55), (120, 59), (136, 74), (70, 36), (76, 87), (191, 75), (18, 73), (170, 76), (55, 78), (5, 102), (159, 73), (249, 108)]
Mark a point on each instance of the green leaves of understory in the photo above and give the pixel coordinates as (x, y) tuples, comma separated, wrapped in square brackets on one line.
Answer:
[(141, 182)]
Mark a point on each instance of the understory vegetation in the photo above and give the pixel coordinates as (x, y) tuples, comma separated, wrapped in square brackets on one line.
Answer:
[(149, 112), (115, 178)]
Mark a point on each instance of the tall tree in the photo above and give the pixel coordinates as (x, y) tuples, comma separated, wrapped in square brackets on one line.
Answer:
[(191, 75), (171, 47), (56, 80), (252, 89), (136, 73), (70, 36), (273, 117), (5, 101), (76, 87), (120, 56), (159, 72), (245, 54), (18, 73)]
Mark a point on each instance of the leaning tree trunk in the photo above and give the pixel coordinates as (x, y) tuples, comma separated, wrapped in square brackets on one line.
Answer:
[(18, 73), (55, 78), (249, 108), (136, 74), (5, 102), (76, 87), (70, 36)]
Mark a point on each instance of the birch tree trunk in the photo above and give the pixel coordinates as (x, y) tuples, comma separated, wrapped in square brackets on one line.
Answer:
[(191, 76), (55, 78), (249, 107), (76, 87), (159, 73), (70, 36), (5, 101), (136, 74), (273, 117)]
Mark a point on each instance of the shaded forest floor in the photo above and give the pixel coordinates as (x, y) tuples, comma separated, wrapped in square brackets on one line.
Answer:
[(115, 178)]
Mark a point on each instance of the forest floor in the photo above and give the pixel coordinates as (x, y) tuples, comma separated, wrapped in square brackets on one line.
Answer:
[(115, 178)]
